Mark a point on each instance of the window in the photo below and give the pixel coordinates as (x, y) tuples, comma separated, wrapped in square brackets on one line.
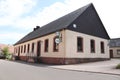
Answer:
[(24, 48), (92, 46), (18, 50), (15, 50), (118, 51), (33, 47), (21, 49), (55, 46), (46, 45), (79, 44), (102, 47), (28, 48)]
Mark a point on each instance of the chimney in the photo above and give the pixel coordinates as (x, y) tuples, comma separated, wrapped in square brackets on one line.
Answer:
[(37, 27)]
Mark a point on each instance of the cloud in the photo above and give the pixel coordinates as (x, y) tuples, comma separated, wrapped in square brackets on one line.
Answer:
[(10, 37), (12, 14), (48, 14), (12, 10)]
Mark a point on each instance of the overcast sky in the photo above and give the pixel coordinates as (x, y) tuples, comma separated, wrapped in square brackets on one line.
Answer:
[(19, 17)]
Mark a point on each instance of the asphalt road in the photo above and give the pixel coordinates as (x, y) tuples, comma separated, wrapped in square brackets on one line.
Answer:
[(24, 71)]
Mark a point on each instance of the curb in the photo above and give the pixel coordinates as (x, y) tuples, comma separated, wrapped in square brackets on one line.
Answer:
[(86, 71)]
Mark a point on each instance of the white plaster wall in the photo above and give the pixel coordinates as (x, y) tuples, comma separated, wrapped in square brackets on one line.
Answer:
[(115, 52), (50, 52), (71, 46), (68, 46)]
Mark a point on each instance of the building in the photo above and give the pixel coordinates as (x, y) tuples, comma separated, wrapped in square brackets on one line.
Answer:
[(74, 38), (115, 48), (10, 48)]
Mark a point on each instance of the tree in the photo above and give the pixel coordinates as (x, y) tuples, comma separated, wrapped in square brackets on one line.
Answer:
[(5, 51)]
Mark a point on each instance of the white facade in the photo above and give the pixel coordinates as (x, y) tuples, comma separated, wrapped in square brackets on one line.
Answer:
[(68, 46), (71, 46), (116, 52)]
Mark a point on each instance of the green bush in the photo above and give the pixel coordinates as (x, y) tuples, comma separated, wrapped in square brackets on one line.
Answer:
[(118, 66), (6, 52), (9, 57)]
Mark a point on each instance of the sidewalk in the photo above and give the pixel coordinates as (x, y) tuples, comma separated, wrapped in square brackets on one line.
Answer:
[(107, 67)]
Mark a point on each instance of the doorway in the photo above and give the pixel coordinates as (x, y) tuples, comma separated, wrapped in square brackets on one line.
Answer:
[(111, 53), (18, 57), (38, 50)]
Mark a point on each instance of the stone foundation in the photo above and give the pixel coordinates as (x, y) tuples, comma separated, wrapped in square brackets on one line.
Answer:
[(57, 61), (24, 58), (49, 60)]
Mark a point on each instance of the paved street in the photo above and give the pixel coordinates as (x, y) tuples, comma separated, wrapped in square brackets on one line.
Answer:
[(25, 71), (107, 66)]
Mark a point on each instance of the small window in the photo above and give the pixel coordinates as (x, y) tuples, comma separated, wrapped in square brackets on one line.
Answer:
[(74, 25), (21, 49), (118, 51), (33, 47), (55, 46), (28, 48), (79, 44), (24, 48), (16, 49), (102, 47), (92, 46), (46, 45)]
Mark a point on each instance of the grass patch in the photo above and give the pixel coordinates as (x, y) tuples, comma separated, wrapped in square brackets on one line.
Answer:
[(118, 66)]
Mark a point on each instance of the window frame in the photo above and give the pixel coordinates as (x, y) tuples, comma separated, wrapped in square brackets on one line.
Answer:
[(24, 48), (102, 47), (92, 46), (28, 48), (55, 45), (33, 47), (82, 43), (46, 45), (118, 51), (16, 50), (21, 48)]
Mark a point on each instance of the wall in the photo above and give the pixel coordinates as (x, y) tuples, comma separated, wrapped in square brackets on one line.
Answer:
[(71, 46), (115, 54), (10, 47), (50, 52)]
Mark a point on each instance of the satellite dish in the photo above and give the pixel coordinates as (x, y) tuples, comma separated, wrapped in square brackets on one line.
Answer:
[(57, 40), (57, 33)]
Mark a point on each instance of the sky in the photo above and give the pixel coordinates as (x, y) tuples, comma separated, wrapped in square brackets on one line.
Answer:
[(19, 17)]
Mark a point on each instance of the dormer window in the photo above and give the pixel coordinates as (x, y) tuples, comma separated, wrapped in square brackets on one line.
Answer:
[(74, 25)]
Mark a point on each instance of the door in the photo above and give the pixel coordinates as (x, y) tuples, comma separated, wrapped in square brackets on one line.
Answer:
[(38, 49), (18, 57), (19, 51), (111, 53)]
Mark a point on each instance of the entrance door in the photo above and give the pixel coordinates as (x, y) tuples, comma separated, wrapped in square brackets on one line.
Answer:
[(18, 57), (111, 53), (38, 48)]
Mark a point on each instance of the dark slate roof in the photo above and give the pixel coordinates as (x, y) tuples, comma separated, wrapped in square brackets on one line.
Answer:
[(114, 42), (86, 19)]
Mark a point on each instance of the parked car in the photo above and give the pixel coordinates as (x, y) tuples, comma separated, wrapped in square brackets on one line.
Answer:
[(2, 56)]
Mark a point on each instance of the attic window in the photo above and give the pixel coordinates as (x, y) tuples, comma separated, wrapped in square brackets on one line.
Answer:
[(74, 25)]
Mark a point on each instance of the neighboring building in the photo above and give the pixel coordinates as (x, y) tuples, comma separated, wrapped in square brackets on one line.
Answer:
[(10, 47), (74, 38), (115, 48)]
